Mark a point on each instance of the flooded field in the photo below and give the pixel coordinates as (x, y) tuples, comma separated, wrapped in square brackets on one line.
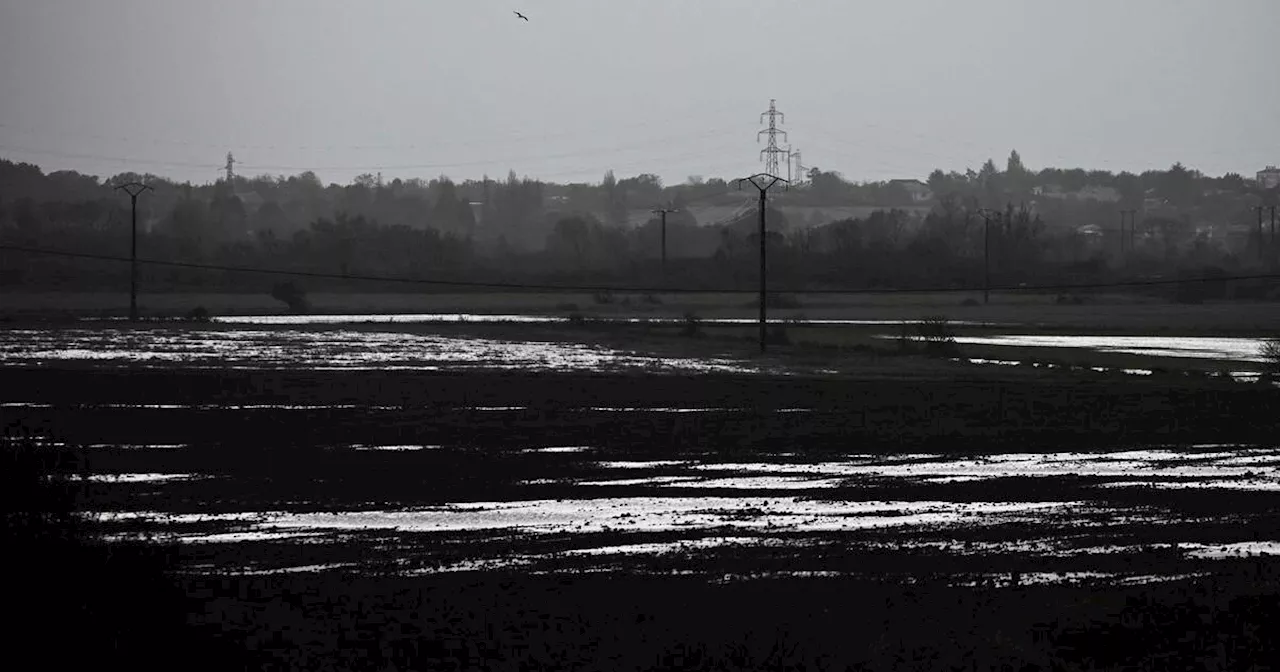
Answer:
[(1075, 516), (295, 342), (319, 350), (454, 318), (297, 503), (446, 494), (700, 467), (1237, 349)]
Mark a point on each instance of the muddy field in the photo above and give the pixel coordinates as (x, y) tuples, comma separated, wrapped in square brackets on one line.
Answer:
[(519, 510)]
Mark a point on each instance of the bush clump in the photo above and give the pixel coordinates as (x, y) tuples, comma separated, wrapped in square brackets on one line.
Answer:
[(692, 327), (1270, 352), (937, 336), (292, 296)]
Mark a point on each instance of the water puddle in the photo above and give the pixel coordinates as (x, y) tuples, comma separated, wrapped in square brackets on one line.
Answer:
[(559, 449), (395, 449), (1011, 579), (680, 546), (243, 537), (1238, 349), (302, 569), (136, 478), (653, 514), (1244, 549), (654, 464), (479, 318)]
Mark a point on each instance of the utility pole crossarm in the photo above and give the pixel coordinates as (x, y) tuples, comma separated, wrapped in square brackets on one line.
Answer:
[(134, 188)]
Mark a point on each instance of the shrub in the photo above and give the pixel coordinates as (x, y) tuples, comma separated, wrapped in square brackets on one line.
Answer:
[(198, 314), (292, 296), (652, 299), (692, 326), (1270, 352), (937, 336), (969, 302), (120, 597), (604, 297)]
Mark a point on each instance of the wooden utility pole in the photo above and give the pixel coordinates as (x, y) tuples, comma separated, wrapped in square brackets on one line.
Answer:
[(1132, 226), (762, 182), (1122, 233), (134, 189), (986, 253), (663, 212), (1261, 247)]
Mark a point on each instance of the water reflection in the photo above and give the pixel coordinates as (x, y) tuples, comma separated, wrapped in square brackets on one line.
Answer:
[(633, 510), (1239, 349), (331, 350), (456, 318), (653, 514)]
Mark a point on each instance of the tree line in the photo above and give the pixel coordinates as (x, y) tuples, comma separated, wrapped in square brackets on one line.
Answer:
[(1018, 224)]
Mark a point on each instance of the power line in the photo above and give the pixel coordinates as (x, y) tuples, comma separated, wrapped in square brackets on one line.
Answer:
[(111, 159), (508, 137), (636, 289), (541, 158), (646, 145)]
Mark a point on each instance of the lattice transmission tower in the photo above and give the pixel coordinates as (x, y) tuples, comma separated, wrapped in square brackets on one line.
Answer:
[(770, 153)]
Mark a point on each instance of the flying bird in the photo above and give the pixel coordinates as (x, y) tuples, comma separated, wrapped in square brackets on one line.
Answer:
[(522, 16)]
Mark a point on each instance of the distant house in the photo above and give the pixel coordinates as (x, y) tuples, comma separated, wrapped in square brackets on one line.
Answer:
[(1101, 194), (1269, 178), (1089, 193), (919, 191), (1107, 195)]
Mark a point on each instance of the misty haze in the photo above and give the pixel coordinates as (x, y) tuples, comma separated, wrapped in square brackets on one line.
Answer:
[(572, 334)]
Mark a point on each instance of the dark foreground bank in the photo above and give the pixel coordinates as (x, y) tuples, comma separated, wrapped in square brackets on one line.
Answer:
[(82, 603)]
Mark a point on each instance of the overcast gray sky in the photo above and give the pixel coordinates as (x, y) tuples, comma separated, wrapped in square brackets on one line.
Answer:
[(417, 88)]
